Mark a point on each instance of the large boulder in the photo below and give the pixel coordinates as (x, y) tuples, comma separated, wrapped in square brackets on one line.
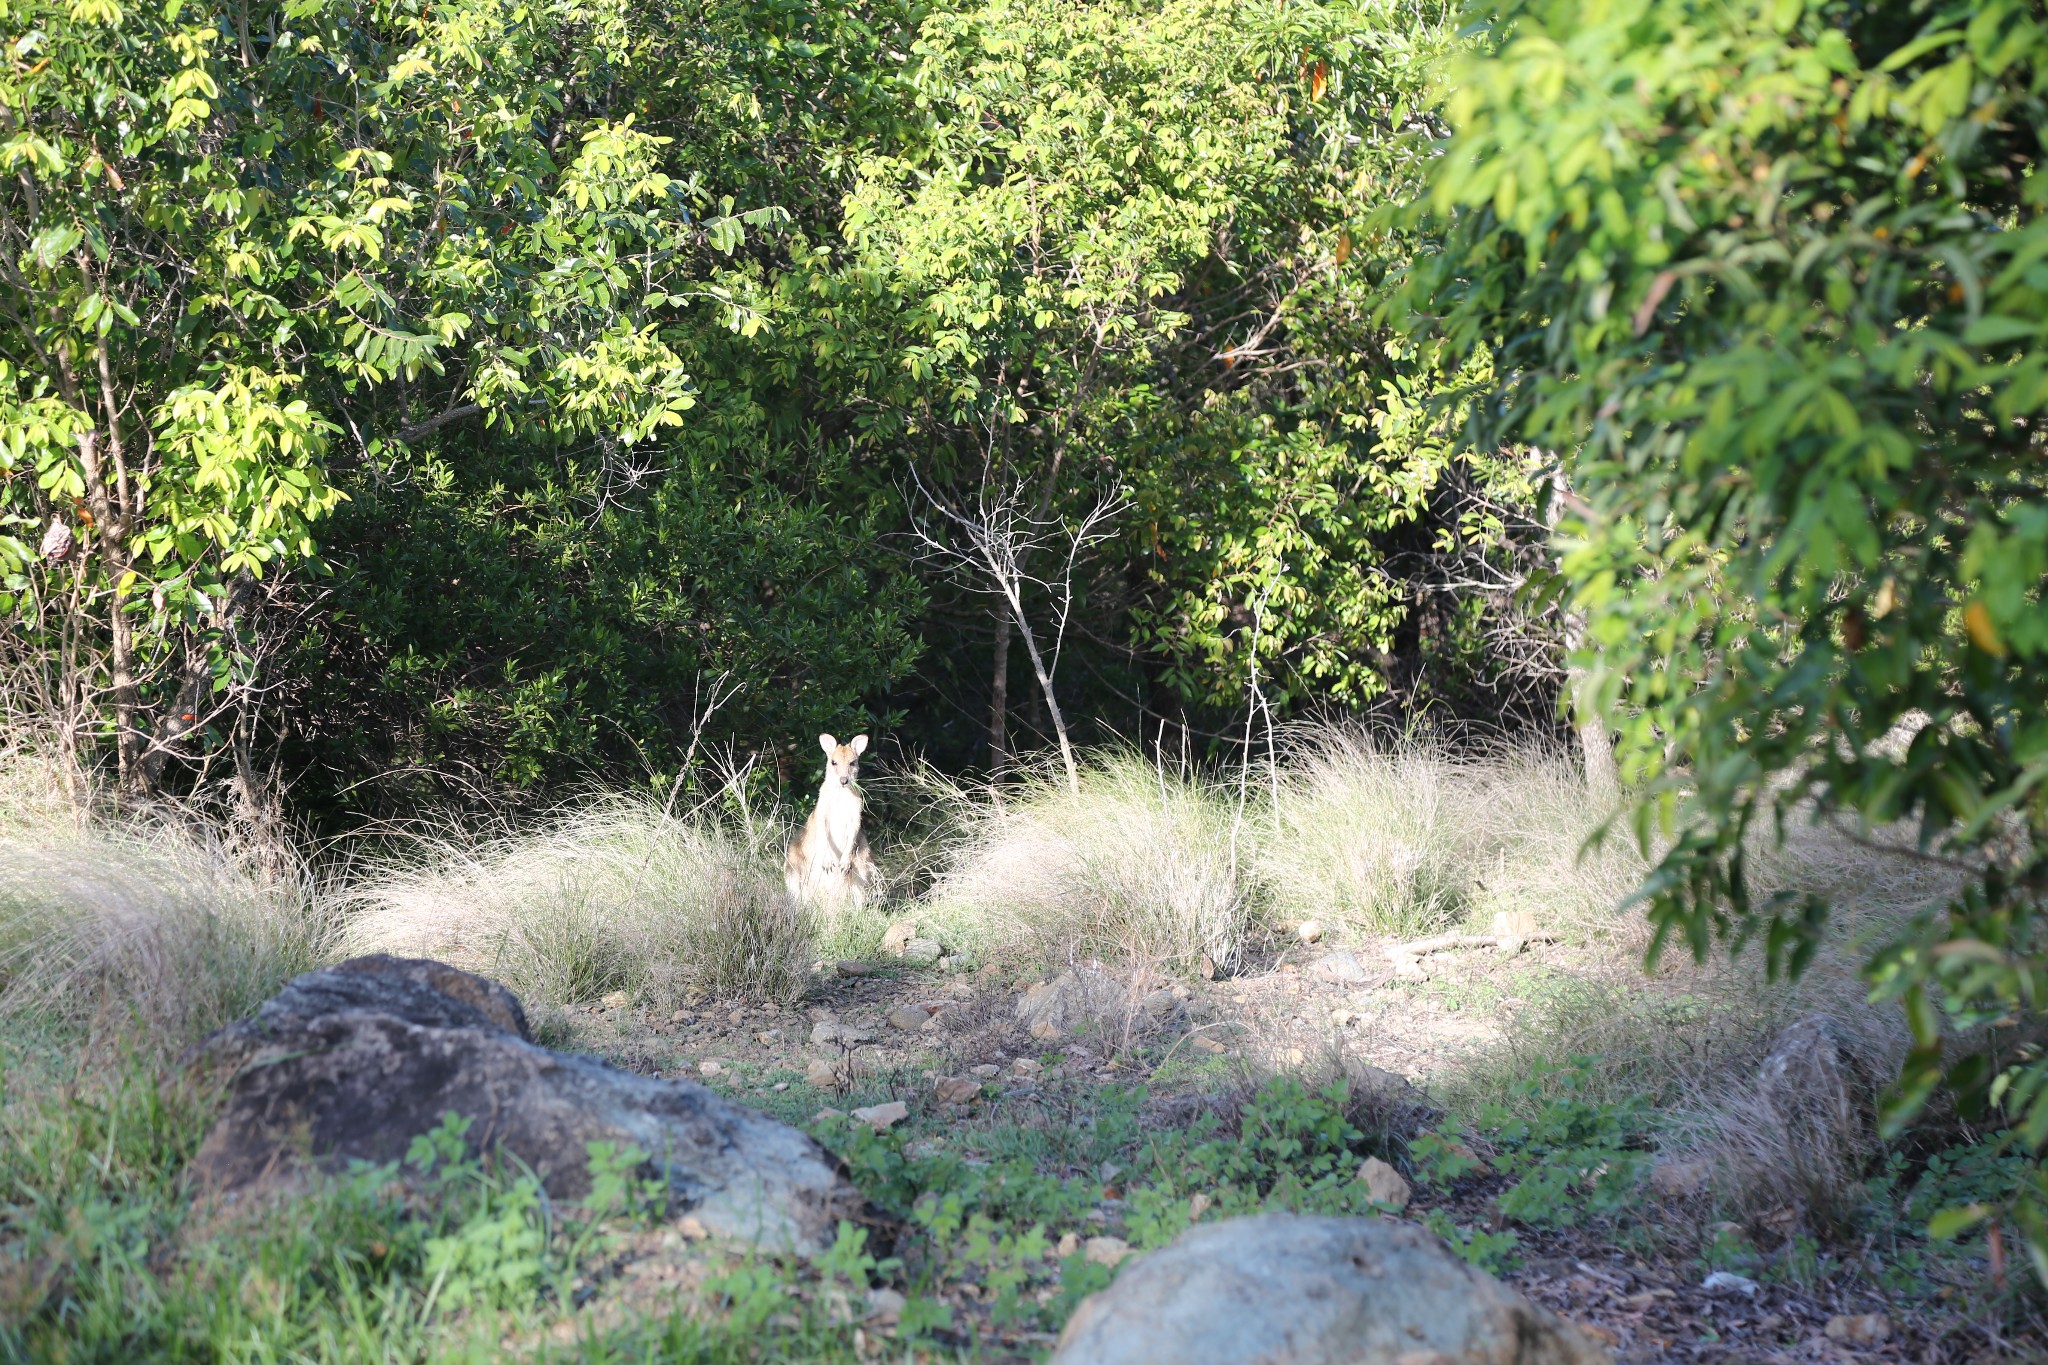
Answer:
[(351, 1063), (1283, 1289)]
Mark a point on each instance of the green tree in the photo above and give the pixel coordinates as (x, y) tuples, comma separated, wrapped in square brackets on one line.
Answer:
[(1768, 277), (235, 237), (1129, 249)]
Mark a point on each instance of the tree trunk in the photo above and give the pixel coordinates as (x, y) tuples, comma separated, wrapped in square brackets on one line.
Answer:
[(999, 698), (1603, 778), (1596, 745), (1052, 703)]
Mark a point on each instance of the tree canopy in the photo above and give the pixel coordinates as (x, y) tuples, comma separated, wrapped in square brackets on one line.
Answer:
[(1769, 279)]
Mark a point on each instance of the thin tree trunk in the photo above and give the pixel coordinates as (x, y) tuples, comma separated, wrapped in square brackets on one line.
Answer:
[(103, 499), (1603, 778), (999, 698), (1052, 703), (1596, 745)]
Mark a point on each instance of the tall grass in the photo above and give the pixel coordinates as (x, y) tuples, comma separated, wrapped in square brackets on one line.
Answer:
[(1138, 865), (617, 895), (1151, 863), (1381, 839), (159, 927)]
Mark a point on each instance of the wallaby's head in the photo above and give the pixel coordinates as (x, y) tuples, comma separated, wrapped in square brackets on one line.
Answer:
[(842, 761)]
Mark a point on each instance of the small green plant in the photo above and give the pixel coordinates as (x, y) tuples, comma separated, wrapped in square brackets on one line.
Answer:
[(1572, 1156), (1441, 1157), (1492, 1252), (751, 1294), (495, 1256)]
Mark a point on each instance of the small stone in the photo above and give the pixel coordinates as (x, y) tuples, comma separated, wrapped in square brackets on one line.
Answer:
[(956, 1090), (1309, 931), (1859, 1329), (1198, 1204), (1680, 1179), (780, 1086), (1108, 1251), (880, 1116), (898, 937), (909, 1017), (1723, 1282), (848, 967), (821, 1073), (1295, 1056), (691, 1228), (1343, 968), (772, 1035), (682, 1017), (922, 952), (986, 1070), (1070, 1242), (1384, 1184), (846, 1035), (617, 1000), (709, 1068), (1027, 1066), (885, 1307), (737, 1017)]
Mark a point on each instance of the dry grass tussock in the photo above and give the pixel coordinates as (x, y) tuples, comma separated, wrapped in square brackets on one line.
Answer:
[(1383, 839), (1152, 865), (1142, 864), (160, 928), (613, 896)]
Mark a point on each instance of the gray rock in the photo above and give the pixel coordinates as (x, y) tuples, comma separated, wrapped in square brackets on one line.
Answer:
[(1341, 967), (351, 1063), (1076, 997), (1282, 1289), (922, 952), (847, 1035), (909, 1017)]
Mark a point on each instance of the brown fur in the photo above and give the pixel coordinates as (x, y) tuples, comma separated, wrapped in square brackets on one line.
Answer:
[(829, 861)]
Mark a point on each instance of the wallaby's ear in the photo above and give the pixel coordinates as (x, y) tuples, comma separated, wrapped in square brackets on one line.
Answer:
[(860, 745), (827, 743)]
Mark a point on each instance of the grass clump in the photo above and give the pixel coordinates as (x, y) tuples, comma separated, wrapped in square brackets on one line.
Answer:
[(156, 926), (615, 896), (1405, 840), (1140, 865)]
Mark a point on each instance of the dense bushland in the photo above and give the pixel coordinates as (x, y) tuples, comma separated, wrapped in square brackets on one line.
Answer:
[(407, 407), (571, 401)]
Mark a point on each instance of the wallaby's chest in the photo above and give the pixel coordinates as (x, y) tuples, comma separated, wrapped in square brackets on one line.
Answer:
[(837, 817)]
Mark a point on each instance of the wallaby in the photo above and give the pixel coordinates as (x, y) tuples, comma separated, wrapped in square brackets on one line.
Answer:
[(829, 860)]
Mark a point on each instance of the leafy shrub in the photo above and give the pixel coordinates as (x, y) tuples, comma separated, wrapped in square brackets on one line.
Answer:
[(1764, 275), (1571, 1157)]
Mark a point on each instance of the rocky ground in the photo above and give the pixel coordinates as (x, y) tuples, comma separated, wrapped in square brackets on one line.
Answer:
[(952, 1056)]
